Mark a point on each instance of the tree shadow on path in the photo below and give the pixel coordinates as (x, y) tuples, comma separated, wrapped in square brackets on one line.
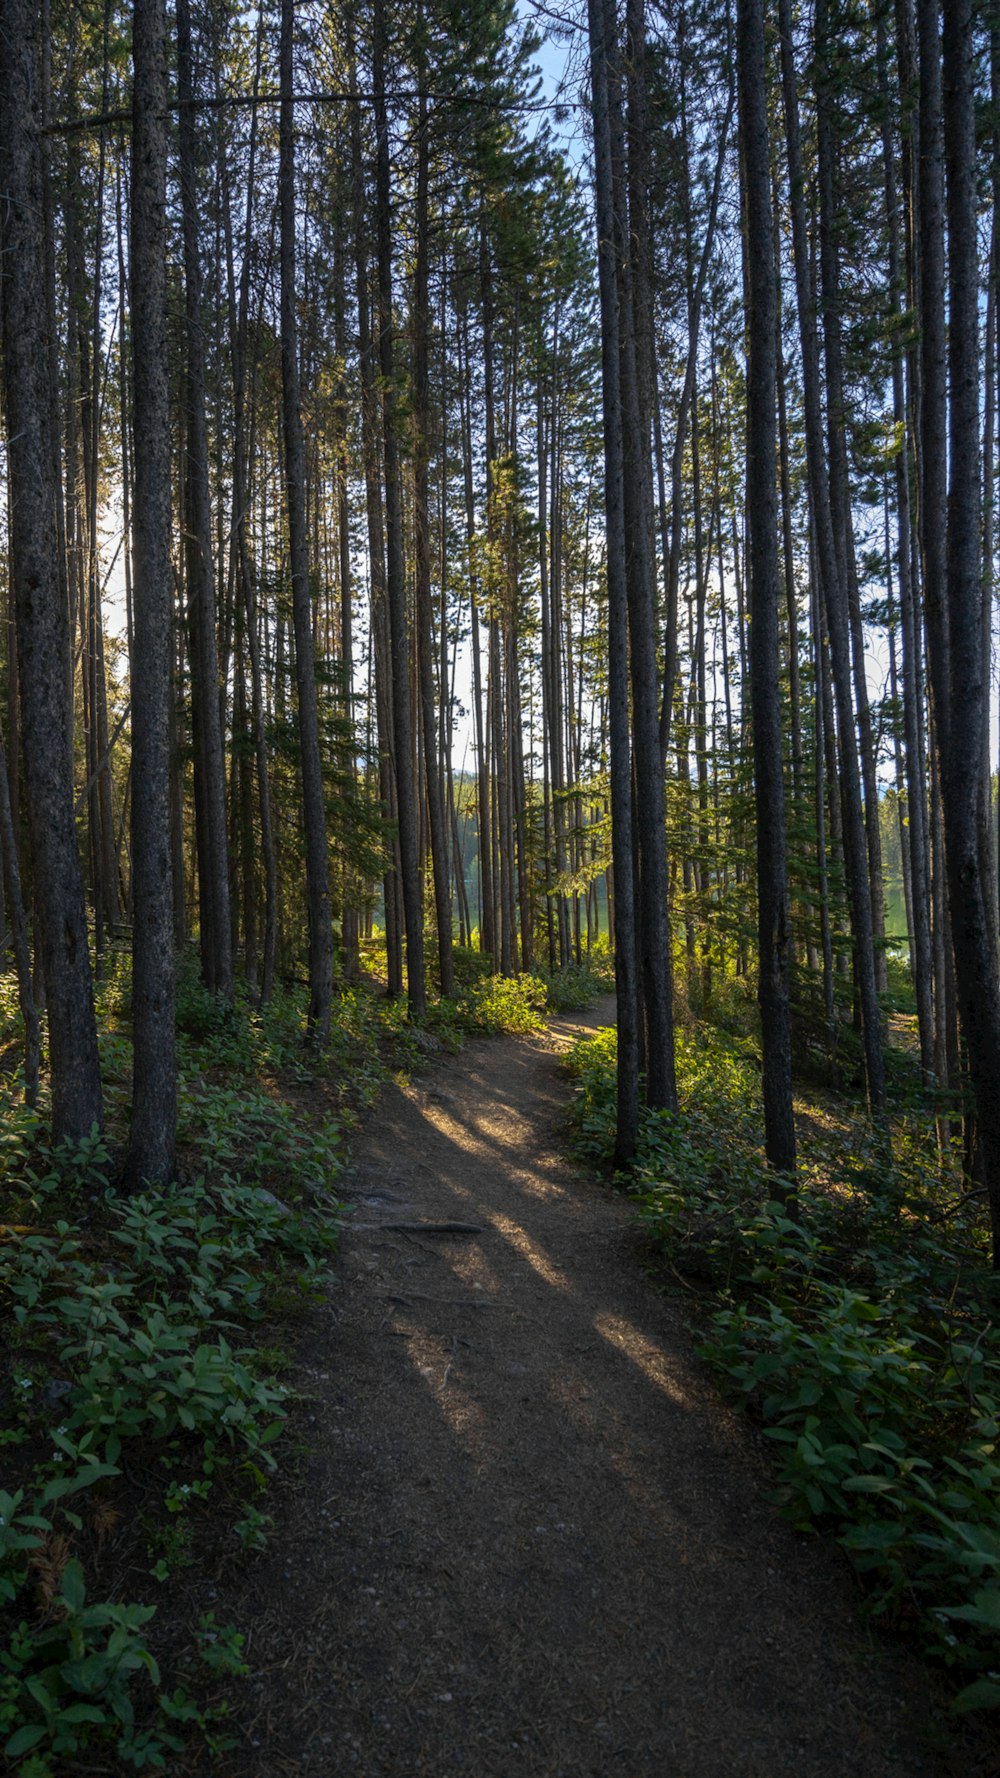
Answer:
[(528, 1539)]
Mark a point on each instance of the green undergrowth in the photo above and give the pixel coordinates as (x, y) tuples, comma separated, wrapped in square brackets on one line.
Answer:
[(516, 1005), (861, 1333), (487, 1004), (143, 1409)]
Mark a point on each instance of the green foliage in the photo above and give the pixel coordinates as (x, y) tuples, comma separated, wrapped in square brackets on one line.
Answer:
[(67, 1684), (246, 1129), (127, 1320), (220, 1646), (578, 985), (497, 1003), (859, 1331)]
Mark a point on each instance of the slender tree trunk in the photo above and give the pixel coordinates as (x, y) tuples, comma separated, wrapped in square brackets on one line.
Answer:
[(602, 50), (313, 810), (916, 798), (350, 916), (154, 1084), (819, 726), (672, 556), (834, 603), (368, 353), (487, 907), (239, 314), (839, 476), (395, 565), (40, 615), (763, 593), (636, 345), (954, 604), (209, 762), (422, 562), (19, 934)]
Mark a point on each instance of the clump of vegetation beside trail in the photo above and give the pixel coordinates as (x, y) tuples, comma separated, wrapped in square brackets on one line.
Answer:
[(144, 1405), (860, 1330), (489, 1004)]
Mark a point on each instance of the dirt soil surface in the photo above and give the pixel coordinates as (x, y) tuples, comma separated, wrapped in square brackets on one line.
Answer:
[(528, 1541)]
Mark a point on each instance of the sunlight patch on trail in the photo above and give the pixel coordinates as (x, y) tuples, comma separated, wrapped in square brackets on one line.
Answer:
[(484, 1147), (644, 1353), (528, 1249), (465, 1417)]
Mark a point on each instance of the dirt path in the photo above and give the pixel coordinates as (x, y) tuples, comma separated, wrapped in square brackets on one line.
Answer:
[(528, 1542)]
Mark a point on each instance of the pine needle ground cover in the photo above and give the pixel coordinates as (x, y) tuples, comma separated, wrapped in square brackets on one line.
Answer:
[(860, 1332)]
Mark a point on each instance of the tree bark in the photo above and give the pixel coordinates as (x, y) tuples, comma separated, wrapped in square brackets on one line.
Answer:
[(833, 603), (313, 809), (910, 629), (154, 1084), (395, 565), (209, 761), (954, 601), (40, 614), (422, 560), (763, 593), (637, 394), (602, 49)]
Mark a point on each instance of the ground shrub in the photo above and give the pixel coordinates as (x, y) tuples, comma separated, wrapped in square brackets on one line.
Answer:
[(577, 985), (130, 1333)]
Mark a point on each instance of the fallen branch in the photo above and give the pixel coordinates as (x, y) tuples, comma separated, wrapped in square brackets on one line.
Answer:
[(424, 1228), (444, 1302)]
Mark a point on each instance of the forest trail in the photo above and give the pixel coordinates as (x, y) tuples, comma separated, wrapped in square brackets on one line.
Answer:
[(527, 1541)]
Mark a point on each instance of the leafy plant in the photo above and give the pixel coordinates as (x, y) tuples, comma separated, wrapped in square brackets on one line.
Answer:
[(68, 1683), (496, 1004), (127, 1317)]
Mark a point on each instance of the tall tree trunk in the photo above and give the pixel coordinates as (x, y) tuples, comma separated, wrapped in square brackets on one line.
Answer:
[(762, 588), (313, 810), (154, 1083), (839, 475), (40, 614), (19, 933), (603, 48), (209, 761), (350, 916), (395, 564), (672, 555), (910, 628), (422, 559), (637, 395), (371, 458), (240, 566), (954, 601), (487, 906), (834, 602)]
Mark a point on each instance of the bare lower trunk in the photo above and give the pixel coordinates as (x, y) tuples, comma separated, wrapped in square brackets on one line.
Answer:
[(154, 1086), (209, 762), (313, 810), (762, 588), (955, 628), (40, 615), (395, 566), (602, 52)]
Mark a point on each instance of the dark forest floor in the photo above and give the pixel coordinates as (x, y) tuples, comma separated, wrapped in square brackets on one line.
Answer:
[(526, 1538)]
